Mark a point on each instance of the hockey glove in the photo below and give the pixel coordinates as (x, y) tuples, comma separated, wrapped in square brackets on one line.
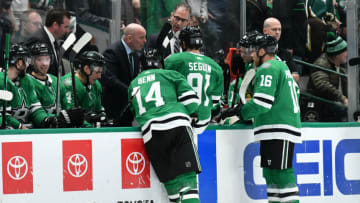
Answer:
[(73, 117), (231, 112), (49, 122), (194, 119), (92, 117)]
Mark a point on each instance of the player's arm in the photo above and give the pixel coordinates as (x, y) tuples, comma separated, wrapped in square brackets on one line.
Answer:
[(185, 93), (264, 91)]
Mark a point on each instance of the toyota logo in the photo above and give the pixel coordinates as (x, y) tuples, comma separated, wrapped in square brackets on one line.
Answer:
[(17, 167), (77, 165), (135, 163)]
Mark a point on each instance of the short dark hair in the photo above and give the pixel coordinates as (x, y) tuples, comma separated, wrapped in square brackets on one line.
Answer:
[(183, 4), (56, 15)]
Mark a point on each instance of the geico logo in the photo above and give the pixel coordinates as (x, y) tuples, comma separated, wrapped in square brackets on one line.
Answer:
[(330, 165)]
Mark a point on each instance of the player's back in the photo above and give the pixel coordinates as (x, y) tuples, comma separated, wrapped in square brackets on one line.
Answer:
[(162, 97), (204, 75)]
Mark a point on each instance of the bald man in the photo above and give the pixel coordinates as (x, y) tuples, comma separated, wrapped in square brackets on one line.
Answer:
[(272, 26), (122, 67)]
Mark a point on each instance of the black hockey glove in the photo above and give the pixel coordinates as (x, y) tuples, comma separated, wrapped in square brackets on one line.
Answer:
[(231, 112), (73, 117), (49, 122), (194, 119), (92, 117)]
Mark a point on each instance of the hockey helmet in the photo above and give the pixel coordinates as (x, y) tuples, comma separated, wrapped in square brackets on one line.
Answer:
[(90, 58), (18, 52), (247, 39), (151, 59), (39, 49), (268, 42), (192, 36)]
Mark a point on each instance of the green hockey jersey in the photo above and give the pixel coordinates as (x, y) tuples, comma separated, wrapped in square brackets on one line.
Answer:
[(275, 104), (161, 100), (205, 76), (46, 92), (25, 106), (89, 98), (10, 120)]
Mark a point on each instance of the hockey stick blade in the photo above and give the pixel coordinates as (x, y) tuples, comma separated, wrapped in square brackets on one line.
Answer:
[(249, 75), (354, 61), (84, 39), (67, 43), (6, 95)]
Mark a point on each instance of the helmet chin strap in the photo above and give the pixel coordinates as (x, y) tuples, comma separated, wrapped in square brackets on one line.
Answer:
[(260, 57)]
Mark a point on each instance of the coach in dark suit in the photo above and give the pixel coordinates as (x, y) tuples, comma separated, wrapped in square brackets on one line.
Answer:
[(167, 41), (122, 67), (56, 27)]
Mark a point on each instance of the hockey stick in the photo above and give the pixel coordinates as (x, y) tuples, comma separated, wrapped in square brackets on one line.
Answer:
[(129, 102), (7, 50), (84, 39), (65, 46), (249, 75)]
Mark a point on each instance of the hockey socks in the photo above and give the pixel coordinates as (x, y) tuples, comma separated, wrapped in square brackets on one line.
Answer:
[(183, 188), (281, 185)]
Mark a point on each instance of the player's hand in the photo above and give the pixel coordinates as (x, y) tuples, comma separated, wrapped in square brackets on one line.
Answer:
[(73, 117), (231, 112), (49, 122), (194, 119)]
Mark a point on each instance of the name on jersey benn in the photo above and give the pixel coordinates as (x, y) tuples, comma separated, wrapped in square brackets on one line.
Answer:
[(196, 66), (145, 79)]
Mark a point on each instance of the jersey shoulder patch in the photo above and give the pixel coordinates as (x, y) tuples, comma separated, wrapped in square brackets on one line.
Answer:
[(266, 65), (67, 82)]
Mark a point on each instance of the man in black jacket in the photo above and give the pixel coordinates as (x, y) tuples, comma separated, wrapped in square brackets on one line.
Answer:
[(272, 26), (167, 41), (56, 27), (122, 67)]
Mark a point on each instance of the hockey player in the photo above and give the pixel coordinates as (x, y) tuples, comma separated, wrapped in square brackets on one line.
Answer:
[(202, 73), (276, 113), (45, 83), (89, 65), (25, 106), (162, 101)]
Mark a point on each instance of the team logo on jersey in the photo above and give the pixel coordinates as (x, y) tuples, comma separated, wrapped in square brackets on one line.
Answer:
[(266, 65), (67, 82)]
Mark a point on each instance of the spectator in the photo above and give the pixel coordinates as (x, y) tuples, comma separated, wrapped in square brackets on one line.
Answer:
[(293, 20), (328, 85), (272, 26), (56, 27), (122, 67), (198, 10), (88, 90), (31, 22), (168, 42), (81, 8)]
